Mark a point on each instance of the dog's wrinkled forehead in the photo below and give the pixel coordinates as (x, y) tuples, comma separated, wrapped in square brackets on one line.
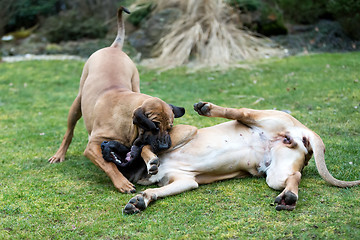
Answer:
[(159, 111), (294, 138), (295, 143)]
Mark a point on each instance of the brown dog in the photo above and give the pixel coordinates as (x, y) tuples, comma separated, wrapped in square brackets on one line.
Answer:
[(258, 143), (113, 108)]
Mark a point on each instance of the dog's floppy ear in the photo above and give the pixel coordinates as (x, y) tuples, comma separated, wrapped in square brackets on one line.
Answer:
[(178, 111), (140, 120)]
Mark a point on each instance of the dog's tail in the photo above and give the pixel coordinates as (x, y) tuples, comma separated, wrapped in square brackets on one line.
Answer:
[(119, 40), (319, 154)]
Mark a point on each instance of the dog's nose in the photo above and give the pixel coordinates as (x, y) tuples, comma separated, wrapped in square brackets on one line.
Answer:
[(163, 146), (164, 143), (103, 144)]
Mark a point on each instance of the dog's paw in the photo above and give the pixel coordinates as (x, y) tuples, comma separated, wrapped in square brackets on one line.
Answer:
[(202, 108), (286, 201), (56, 159), (153, 166), (135, 205), (124, 186)]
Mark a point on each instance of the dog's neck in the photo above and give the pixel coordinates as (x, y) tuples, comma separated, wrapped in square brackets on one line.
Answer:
[(265, 163)]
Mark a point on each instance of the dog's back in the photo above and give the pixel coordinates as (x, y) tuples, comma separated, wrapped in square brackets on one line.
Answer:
[(108, 68)]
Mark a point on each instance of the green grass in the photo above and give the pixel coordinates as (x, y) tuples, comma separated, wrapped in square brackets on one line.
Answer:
[(75, 200)]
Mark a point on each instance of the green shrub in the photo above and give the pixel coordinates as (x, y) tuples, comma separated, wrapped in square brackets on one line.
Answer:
[(246, 5), (304, 12), (268, 20), (27, 12), (69, 26), (137, 16), (347, 12), (271, 21)]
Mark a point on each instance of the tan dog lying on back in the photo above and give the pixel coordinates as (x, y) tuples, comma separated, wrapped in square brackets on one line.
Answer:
[(113, 108), (257, 143)]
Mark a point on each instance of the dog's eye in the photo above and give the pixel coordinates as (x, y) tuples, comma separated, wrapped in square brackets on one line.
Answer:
[(169, 127), (157, 124), (289, 141)]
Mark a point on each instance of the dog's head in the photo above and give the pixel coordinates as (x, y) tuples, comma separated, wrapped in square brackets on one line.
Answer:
[(290, 153), (155, 119), (127, 160)]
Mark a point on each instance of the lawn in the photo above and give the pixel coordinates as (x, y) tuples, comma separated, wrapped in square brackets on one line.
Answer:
[(76, 200)]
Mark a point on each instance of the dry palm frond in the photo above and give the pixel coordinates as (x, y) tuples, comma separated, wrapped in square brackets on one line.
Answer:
[(205, 35)]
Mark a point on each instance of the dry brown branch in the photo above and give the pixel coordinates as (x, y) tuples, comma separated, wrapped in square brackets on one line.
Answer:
[(206, 36)]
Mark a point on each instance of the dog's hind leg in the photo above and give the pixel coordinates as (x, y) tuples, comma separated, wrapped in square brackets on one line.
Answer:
[(135, 81), (141, 201), (211, 110), (73, 117), (269, 119)]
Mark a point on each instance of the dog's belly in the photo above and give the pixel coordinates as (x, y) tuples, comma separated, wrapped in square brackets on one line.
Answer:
[(223, 151)]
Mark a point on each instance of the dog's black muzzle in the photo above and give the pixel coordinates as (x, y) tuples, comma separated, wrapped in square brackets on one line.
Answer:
[(158, 142), (164, 142)]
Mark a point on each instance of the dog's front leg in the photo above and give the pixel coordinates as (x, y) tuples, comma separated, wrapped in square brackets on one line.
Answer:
[(287, 199), (93, 152), (151, 159), (141, 201), (180, 135)]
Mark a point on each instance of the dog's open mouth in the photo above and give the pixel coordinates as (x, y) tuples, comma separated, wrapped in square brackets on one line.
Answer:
[(115, 152), (134, 153), (119, 154), (117, 159)]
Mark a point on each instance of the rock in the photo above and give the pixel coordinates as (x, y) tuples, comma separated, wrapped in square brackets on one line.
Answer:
[(141, 42), (152, 30)]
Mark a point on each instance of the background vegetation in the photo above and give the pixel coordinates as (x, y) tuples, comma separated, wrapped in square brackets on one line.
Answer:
[(82, 14), (75, 200)]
